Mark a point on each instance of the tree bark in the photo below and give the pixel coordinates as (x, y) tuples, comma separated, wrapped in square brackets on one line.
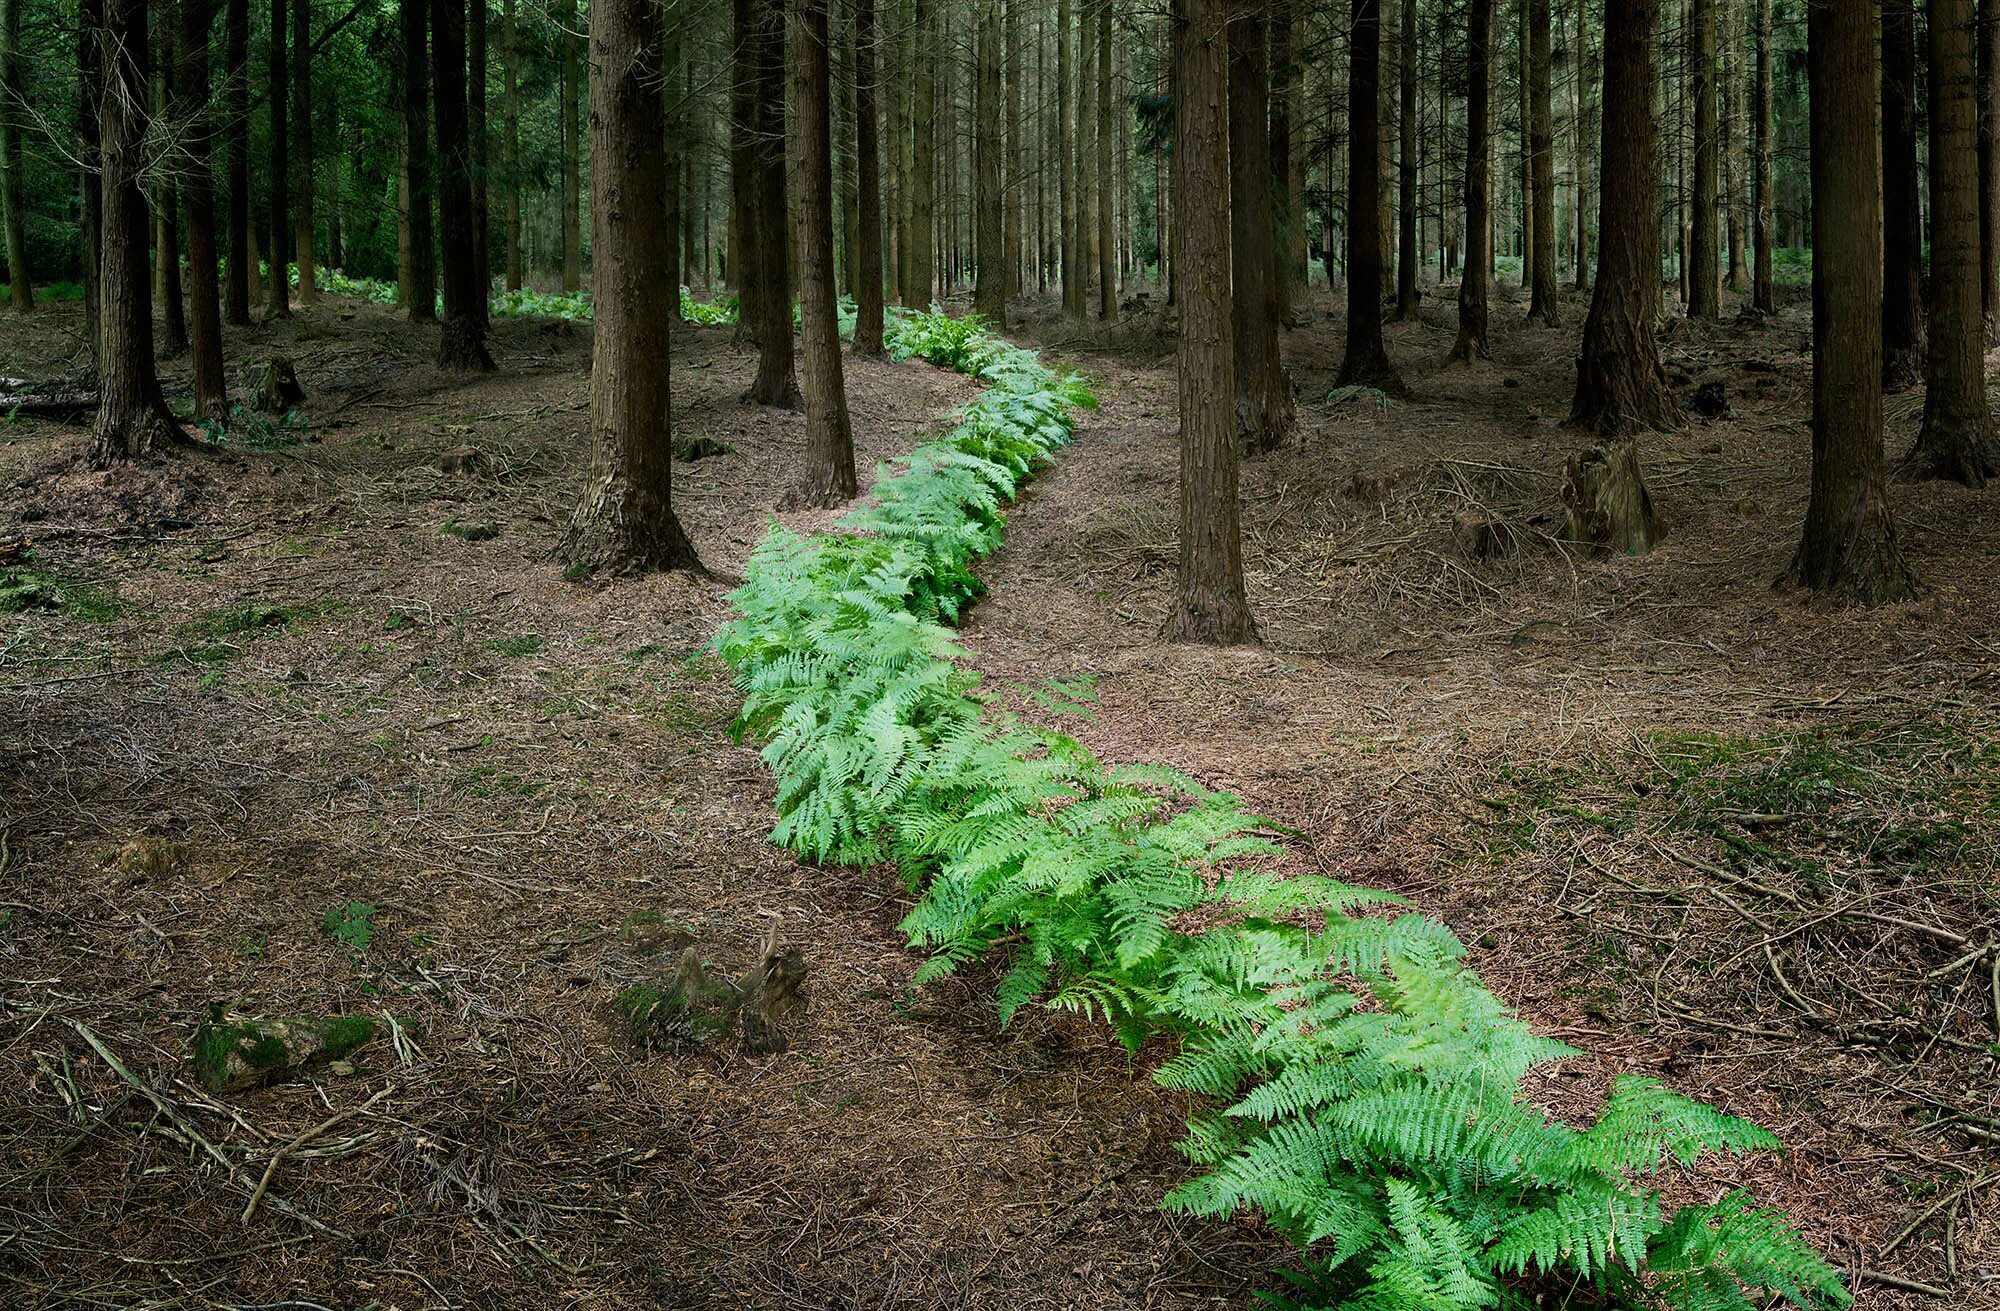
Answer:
[(829, 477), (769, 239), (1212, 605), (89, 133), (1365, 362), (1620, 385), (13, 208), (482, 176), (463, 346), (511, 116), (1074, 281), (625, 520), (1955, 439), (1263, 392), (868, 165), (278, 292), (236, 145), (920, 248), (1107, 194), (1849, 548), (1705, 230), (1545, 290), (302, 150), (1407, 256), (1473, 280), (1989, 163), (166, 208), (989, 295), (1764, 204), (417, 159), (198, 186), (1903, 229), (132, 419), (570, 30), (1285, 190)]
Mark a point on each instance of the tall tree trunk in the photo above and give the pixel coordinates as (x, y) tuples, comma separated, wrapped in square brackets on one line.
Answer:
[(920, 275), (463, 345), (1212, 605), (480, 157), (236, 146), (1738, 279), (13, 209), (89, 133), (1545, 292), (1620, 386), (1285, 189), (198, 185), (989, 200), (1705, 231), (1849, 545), (1106, 190), (829, 477), (743, 261), (1764, 207), (166, 212), (1472, 282), (770, 232), (511, 114), (868, 164), (1365, 362), (1408, 257), (132, 419), (1581, 86), (278, 293), (1903, 228), (417, 159), (1955, 440), (1989, 162), (625, 520), (302, 150), (1074, 282), (570, 36), (1263, 392), (1013, 179)]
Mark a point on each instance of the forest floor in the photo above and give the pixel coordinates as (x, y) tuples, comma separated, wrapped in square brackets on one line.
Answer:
[(322, 729)]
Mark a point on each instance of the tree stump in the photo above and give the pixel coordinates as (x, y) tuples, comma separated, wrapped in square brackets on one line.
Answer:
[(279, 392), (696, 1006), (462, 461), (234, 1051), (1609, 507)]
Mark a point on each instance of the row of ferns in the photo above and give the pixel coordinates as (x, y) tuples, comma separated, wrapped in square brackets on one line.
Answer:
[(1366, 1091)]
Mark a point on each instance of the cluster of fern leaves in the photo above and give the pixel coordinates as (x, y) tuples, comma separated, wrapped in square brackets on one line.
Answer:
[(1365, 1090)]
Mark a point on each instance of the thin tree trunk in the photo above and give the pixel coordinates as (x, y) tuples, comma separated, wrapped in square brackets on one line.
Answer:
[(1472, 283), (1705, 232), (1989, 164), (570, 34), (480, 157), (236, 296), (1073, 279), (1107, 203), (417, 159), (920, 276), (89, 132), (198, 185), (13, 208), (1849, 545), (1545, 288), (1287, 205), (132, 420), (868, 243), (1581, 256), (625, 520), (1263, 393), (302, 150), (1408, 257), (1903, 229), (1013, 180), (278, 293), (1365, 362), (1620, 385), (1955, 439), (166, 213), (989, 202), (463, 346), (829, 477), (1764, 205), (1212, 605), (511, 112), (770, 242)]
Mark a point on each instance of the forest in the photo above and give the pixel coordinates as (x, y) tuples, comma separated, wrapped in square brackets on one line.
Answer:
[(999, 653)]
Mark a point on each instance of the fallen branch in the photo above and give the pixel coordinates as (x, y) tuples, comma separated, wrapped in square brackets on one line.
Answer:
[(272, 1167)]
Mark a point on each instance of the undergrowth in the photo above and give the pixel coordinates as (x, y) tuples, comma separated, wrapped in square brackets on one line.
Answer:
[(1364, 1091)]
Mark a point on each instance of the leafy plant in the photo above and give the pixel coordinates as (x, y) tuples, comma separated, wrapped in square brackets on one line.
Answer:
[(353, 924), (1364, 1091), (256, 431)]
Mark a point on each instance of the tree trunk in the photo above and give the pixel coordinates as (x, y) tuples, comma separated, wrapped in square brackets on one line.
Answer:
[(920, 266), (1545, 292), (770, 238), (1764, 205), (278, 293), (482, 176), (1955, 440), (1989, 162), (1472, 282), (302, 150), (511, 115), (829, 472), (1620, 386), (1263, 392), (166, 211), (417, 159), (989, 202), (1705, 229), (198, 186), (463, 346), (1849, 546), (868, 164), (1074, 289), (132, 419), (13, 209), (1013, 180), (1106, 190), (1903, 228), (1285, 197), (236, 144), (570, 36), (1213, 606), (1365, 362), (1408, 257), (89, 133), (743, 261), (625, 521), (1581, 86)]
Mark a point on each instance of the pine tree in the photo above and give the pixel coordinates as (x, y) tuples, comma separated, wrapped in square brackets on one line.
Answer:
[(829, 477), (1472, 285), (1365, 362)]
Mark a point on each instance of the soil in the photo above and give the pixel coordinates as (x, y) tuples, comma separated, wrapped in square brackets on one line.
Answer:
[(273, 688)]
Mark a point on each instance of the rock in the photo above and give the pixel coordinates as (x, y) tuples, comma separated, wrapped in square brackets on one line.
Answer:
[(234, 1051), (279, 392), (465, 461)]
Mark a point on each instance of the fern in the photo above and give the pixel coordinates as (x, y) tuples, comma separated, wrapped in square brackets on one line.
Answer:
[(1365, 1089)]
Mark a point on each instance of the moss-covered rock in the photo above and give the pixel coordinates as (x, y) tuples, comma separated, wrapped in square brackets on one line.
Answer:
[(234, 1051)]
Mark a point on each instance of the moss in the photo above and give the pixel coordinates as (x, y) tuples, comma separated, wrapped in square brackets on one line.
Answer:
[(341, 1034)]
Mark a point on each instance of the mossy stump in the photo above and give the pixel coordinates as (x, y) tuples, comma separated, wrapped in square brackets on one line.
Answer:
[(279, 391), (696, 1006), (233, 1051)]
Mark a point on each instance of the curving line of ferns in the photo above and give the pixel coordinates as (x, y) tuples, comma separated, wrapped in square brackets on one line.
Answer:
[(1366, 1090)]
